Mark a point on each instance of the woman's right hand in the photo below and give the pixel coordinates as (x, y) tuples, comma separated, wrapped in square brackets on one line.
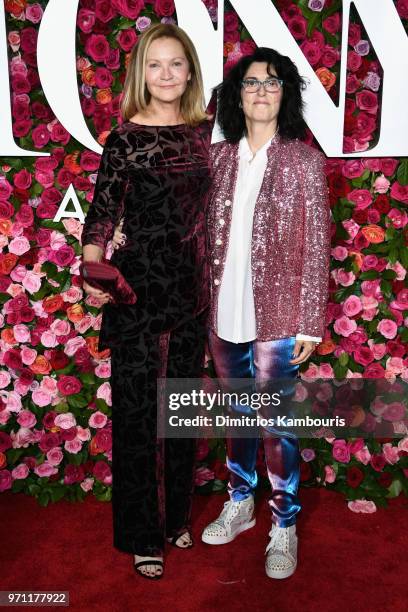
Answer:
[(97, 293)]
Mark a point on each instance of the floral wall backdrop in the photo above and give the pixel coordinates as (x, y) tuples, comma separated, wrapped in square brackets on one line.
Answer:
[(55, 400)]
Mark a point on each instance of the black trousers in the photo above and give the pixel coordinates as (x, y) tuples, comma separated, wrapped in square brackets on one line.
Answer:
[(152, 479)]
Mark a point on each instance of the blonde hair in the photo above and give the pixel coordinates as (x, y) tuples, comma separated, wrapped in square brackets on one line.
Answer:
[(136, 96)]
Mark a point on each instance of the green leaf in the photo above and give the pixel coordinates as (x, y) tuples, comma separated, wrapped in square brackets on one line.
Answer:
[(402, 172), (77, 401), (343, 359), (369, 275), (386, 288)]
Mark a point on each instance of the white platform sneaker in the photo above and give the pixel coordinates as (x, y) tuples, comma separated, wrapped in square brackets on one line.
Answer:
[(235, 518), (281, 552)]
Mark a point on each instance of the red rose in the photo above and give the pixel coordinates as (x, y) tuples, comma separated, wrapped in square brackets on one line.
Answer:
[(360, 216), (353, 61), (97, 47), (166, 8), (103, 77), (374, 370), (64, 256), (21, 107), (5, 283), (45, 164), (365, 125), (112, 61), (26, 377), (5, 441), (382, 204), (377, 462), (363, 355), (312, 51), (12, 359), (90, 161), (58, 359), (82, 183), (69, 385), (330, 56), (354, 477), (332, 24), (6, 210), (7, 263), (389, 165), (46, 211), (104, 10), (298, 27), (385, 479), (22, 127), (40, 136), (22, 179), (395, 349), (73, 474), (51, 195), (127, 39), (60, 134), (25, 216), (20, 84), (40, 111), (65, 178), (28, 38), (86, 20), (129, 8), (103, 439), (338, 185), (101, 470), (354, 34)]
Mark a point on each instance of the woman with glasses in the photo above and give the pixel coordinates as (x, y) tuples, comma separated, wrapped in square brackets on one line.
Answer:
[(269, 255), (154, 174)]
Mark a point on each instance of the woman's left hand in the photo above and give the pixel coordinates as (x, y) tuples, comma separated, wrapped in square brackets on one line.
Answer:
[(302, 351)]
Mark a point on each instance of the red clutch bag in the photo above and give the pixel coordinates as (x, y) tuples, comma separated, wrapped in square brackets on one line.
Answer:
[(107, 278)]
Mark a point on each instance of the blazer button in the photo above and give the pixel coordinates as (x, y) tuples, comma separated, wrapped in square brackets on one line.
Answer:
[(228, 202), (216, 262), (216, 281), (218, 241), (221, 222)]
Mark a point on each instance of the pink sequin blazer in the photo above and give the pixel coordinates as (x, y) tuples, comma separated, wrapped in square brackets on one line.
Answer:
[(290, 238)]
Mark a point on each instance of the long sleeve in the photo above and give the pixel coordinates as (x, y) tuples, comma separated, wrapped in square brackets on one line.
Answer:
[(110, 188), (316, 249)]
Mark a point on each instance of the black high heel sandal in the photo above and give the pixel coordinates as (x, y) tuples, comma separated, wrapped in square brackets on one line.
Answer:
[(174, 539), (149, 562)]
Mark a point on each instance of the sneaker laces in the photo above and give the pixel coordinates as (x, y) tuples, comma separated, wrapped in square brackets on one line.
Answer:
[(224, 514), (279, 539)]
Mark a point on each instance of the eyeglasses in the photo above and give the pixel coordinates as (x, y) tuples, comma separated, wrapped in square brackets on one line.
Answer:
[(253, 85)]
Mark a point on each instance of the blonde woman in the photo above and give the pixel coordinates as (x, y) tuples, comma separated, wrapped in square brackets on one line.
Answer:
[(154, 175)]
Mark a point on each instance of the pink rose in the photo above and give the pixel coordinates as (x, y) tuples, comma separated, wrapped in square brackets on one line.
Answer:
[(374, 370), (87, 484), (5, 379), (332, 24), (28, 355), (103, 77), (343, 278), (353, 169), (21, 333), (103, 370), (65, 420), (329, 474), (45, 469), (32, 282), (399, 192), (73, 345), (14, 40), (381, 184), (367, 101), (362, 505), (352, 306), (55, 456), (388, 328), (20, 472), (34, 13), (104, 392), (98, 420), (41, 398), (363, 455), (340, 253), (401, 303), (345, 326), (395, 411), (311, 372), (73, 446), (341, 451), (353, 61), (26, 418), (19, 245), (326, 371), (23, 179), (361, 197), (49, 339), (399, 219)]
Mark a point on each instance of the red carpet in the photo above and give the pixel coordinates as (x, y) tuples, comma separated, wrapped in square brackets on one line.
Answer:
[(346, 561)]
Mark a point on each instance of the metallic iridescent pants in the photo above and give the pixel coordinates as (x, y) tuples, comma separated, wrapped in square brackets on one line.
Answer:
[(261, 361)]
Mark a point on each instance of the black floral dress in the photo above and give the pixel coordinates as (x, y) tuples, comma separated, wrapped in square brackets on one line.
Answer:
[(157, 178)]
